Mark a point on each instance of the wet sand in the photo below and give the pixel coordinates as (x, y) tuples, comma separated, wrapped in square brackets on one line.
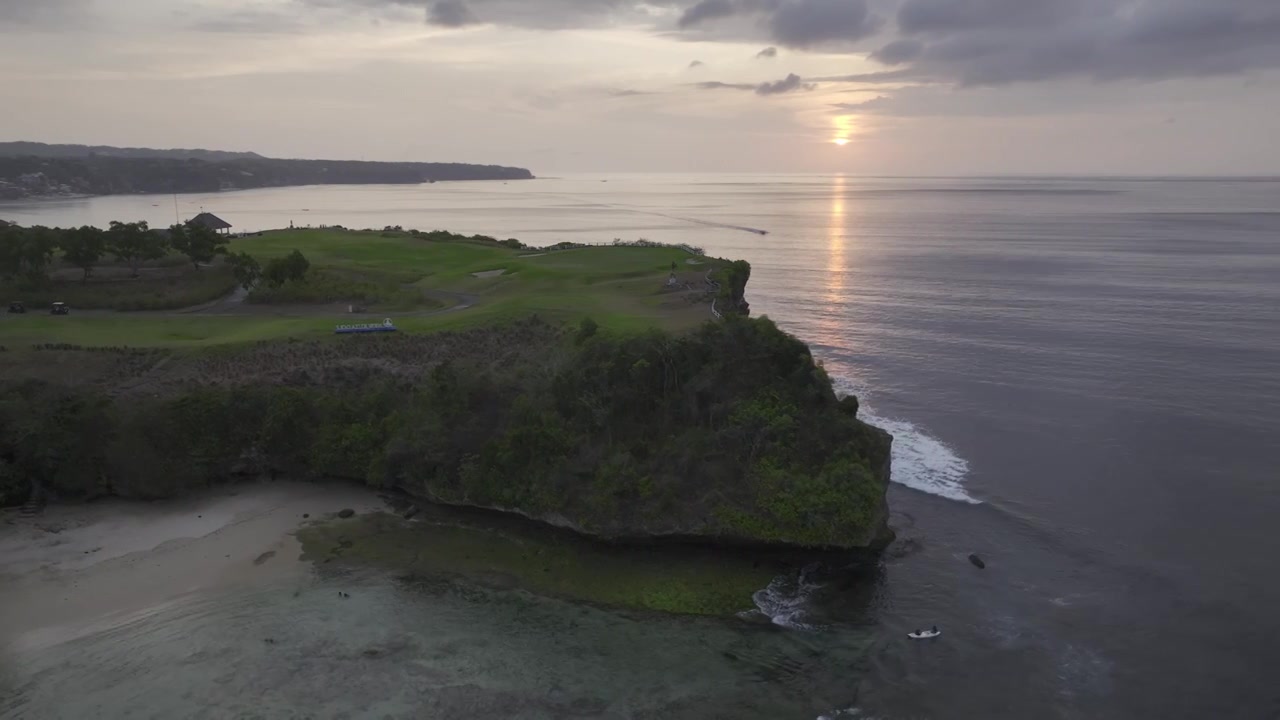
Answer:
[(76, 570)]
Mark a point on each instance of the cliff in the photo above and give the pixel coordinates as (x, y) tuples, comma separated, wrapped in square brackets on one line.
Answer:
[(730, 434), (35, 176)]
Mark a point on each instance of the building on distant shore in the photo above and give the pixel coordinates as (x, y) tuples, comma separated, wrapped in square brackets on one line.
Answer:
[(211, 221)]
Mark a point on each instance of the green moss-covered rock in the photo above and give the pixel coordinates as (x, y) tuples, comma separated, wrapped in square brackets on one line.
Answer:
[(505, 555)]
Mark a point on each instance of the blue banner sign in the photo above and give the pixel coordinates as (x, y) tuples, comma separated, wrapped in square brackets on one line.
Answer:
[(383, 327)]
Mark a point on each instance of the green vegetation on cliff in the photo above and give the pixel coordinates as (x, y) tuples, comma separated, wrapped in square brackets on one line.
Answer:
[(729, 433), (585, 387)]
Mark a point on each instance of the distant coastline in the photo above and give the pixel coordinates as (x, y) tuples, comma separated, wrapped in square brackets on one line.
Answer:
[(36, 171)]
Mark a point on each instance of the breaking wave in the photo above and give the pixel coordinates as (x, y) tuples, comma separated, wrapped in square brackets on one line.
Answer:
[(920, 461)]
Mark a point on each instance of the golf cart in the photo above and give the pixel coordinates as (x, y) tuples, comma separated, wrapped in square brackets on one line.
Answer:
[(17, 307), (60, 308)]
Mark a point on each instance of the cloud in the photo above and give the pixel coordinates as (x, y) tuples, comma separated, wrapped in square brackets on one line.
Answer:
[(248, 20), (806, 23), (884, 76), (871, 105), (789, 23), (706, 10), (956, 42), (531, 14), (715, 85), (898, 52), (996, 42), (696, 64), (41, 14), (450, 13), (769, 52), (791, 83)]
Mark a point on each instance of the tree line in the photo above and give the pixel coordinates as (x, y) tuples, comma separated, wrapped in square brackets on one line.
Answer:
[(27, 254)]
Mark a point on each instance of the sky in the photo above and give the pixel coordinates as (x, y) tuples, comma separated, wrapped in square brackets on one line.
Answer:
[(876, 87)]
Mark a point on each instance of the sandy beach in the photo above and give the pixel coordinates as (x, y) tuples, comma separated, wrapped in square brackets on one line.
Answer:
[(76, 570)]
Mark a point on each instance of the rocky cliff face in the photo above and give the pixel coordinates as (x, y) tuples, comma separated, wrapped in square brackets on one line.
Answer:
[(727, 435)]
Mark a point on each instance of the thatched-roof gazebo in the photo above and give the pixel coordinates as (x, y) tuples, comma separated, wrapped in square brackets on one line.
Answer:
[(211, 221)]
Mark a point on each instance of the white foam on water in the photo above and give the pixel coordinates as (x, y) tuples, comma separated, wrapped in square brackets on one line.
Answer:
[(785, 601), (920, 461), (852, 712)]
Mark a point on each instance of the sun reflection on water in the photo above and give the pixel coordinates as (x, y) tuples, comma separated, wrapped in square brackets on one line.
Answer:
[(835, 243), (829, 318)]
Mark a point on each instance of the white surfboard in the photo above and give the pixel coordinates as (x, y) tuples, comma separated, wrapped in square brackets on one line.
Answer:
[(924, 635)]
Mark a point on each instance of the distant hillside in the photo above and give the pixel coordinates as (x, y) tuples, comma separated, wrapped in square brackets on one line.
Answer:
[(31, 175), (20, 149)]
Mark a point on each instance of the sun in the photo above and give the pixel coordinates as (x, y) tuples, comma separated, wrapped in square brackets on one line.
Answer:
[(845, 127)]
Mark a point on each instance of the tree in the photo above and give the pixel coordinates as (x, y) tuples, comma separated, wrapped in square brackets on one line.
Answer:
[(83, 247), (276, 273), (178, 239), (198, 242), (297, 265), (11, 239), (246, 269), (27, 252), (292, 267), (134, 243)]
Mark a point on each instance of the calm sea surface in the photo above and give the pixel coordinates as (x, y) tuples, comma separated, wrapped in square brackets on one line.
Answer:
[(1083, 379)]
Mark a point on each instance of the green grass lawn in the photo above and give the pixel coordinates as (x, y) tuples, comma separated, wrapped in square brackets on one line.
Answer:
[(620, 287)]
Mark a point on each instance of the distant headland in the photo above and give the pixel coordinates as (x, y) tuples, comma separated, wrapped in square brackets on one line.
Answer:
[(34, 170)]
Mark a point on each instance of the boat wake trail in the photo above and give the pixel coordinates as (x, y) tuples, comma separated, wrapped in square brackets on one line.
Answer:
[(920, 461), (707, 223)]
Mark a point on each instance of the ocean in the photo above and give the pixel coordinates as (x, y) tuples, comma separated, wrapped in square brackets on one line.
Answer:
[(1082, 376)]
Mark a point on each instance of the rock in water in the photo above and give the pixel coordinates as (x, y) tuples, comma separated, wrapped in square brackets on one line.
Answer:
[(347, 513), (977, 562)]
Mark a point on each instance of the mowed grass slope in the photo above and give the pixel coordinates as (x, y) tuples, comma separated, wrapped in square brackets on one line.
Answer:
[(620, 287)]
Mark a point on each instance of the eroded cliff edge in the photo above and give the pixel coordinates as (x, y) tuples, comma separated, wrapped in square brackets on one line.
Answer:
[(730, 434)]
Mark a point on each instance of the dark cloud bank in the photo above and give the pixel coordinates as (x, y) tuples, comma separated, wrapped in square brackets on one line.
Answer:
[(975, 42), (968, 42)]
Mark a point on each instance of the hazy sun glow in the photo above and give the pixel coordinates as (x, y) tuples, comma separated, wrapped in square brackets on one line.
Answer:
[(844, 129)]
